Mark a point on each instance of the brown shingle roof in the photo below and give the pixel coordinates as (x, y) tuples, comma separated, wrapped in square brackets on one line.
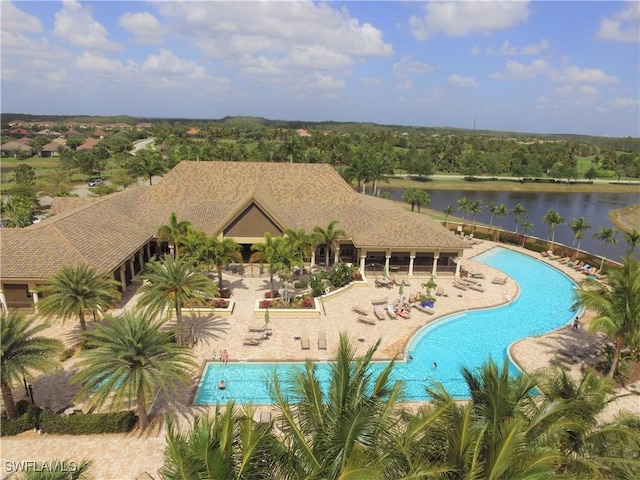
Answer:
[(106, 231)]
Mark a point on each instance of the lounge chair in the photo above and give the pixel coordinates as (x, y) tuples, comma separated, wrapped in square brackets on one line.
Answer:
[(380, 301), (439, 292), (322, 341), (390, 312), (304, 343), (144, 476), (366, 321), (427, 310), (460, 286), (257, 328), (251, 341), (406, 282), (476, 274), (265, 417), (477, 288), (500, 280), (359, 310), (377, 311)]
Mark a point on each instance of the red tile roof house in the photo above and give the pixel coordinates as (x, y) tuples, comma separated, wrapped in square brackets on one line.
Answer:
[(87, 145), (116, 234), (51, 148)]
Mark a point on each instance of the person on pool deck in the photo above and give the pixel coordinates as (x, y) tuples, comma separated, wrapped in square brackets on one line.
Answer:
[(221, 385), (576, 323)]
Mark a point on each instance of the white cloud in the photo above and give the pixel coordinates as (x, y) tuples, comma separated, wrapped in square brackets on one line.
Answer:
[(90, 62), (585, 90), (455, 19), (404, 86), (407, 66), (625, 103), (459, 81), (370, 81), (573, 74), (316, 57), (75, 24), (623, 26), (231, 29), (509, 50), (517, 71), (143, 26), (15, 20), (166, 63)]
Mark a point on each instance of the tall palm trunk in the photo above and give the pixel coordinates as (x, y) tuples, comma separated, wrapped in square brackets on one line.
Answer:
[(180, 328), (143, 418), (83, 324), (617, 348), (9, 402)]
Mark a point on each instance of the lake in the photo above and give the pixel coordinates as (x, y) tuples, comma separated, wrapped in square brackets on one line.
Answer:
[(594, 206)]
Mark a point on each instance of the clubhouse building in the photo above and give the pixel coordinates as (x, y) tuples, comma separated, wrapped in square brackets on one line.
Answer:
[(116, 234)]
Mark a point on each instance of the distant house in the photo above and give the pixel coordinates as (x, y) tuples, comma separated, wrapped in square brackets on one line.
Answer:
[(19, 132), (51, 148), (143, 125), (99, 133), (88, 145), (193, 132), (47, 132), (73, 133), (16, 149)]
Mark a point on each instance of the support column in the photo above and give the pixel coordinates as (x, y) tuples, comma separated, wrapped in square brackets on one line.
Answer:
[(411, 260), (34, 295), (458, 264), (3, 302), (336, 255), (148, 248), (141, 258), (132, 268), (313, 259), (363, 263), (123, 276), (434, 269), (386, 263)]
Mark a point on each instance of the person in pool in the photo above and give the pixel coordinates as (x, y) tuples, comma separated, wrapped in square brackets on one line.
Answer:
[(221, 385)]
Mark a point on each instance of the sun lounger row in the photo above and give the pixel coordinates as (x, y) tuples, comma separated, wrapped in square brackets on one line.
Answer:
[(500, 280), (322, 341), (460, 286)]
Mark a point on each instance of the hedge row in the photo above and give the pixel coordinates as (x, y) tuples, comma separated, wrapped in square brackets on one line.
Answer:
[(89, 424)]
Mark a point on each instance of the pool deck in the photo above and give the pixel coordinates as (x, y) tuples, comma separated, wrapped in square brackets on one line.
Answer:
[(120, 456)]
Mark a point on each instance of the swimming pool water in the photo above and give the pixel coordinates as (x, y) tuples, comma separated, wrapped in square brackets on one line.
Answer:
[(466, 338)]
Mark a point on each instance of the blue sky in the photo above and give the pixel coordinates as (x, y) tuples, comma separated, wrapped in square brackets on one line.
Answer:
[(541, 67)]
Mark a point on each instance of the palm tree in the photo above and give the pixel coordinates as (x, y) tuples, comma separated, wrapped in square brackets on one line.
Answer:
[(463, 204), (147, 163), (410, 196), (189, 246), (422, 199), (502, 432), (579, 226), (475, 208), (527, 226), (23, 352), (518, 212), (226, 445), (586, 398), (492, 210), (500, 211), (448, 211), (173, 231), (606, 235), (220, 253), (330, 236), (304, 241), (172, 284), (263, 252), (632, 238), (127, 358), (553, 219), (340, 432), (617, 307), (286, 256), (76, 289)]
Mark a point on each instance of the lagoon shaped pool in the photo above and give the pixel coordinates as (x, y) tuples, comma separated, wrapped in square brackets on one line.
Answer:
[(463, 339)]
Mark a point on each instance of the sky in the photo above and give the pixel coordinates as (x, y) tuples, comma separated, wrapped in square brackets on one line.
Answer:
[(537, 67)]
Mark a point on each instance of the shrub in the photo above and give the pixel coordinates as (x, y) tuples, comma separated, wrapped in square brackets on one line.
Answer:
[(341, 274), (221, 304), (225, 293), (89, 424), (307, 302), (318, 284), (272, 294), (357, 276), (265, 303), (301, 284), (16, 425), (67, 354)]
